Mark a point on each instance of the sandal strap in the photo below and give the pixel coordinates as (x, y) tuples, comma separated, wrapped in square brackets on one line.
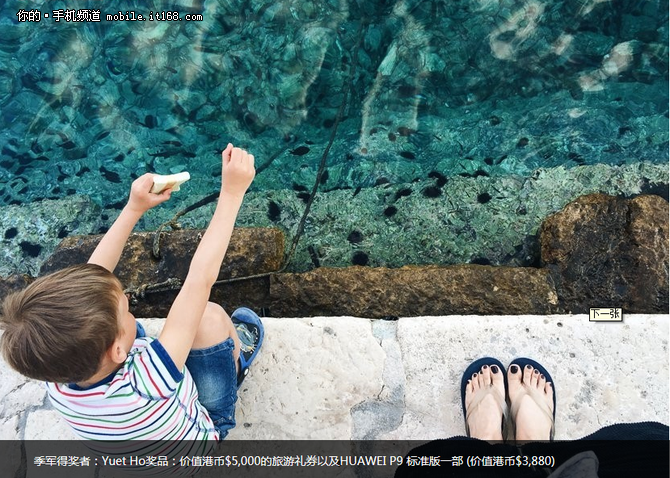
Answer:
[(480, 395), (538, 398), (250, 332)]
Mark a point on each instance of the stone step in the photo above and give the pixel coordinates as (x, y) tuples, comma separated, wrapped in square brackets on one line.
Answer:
[(414, 291), (352, 378)]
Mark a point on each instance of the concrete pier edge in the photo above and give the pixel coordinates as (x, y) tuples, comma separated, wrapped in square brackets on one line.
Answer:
[(341, 378)]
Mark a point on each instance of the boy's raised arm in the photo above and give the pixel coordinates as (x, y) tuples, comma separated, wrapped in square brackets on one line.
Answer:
[(184, 316), (109, 249)]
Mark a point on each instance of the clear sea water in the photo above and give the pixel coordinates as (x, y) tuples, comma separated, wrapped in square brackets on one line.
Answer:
[(421, 100)]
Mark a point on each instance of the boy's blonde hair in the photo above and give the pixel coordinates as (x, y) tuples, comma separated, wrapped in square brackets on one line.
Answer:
[(59, 327)]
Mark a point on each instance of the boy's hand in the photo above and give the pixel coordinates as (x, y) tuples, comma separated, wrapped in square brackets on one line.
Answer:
[(109, 249), (237, 171), (141, 200)]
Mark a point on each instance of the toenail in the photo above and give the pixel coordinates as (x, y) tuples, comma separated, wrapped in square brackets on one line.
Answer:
[(535, 372), (474, 375), (494, 368), (485, 367), (528, 367), (514, 369), (542, 376)]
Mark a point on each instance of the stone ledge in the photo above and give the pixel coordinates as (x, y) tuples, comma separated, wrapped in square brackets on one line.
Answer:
[(373, 292), (251, 251), (599, 251), (343, 378), (413, 291)]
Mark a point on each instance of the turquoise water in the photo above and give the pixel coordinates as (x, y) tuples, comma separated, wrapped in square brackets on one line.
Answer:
[(429, 104)]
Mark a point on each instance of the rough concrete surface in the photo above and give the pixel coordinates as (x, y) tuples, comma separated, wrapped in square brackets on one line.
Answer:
[(604, 373), (312, 373), (344, 378)]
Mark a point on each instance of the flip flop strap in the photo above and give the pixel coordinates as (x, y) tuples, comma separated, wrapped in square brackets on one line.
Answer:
[(538, 398), (479, 396)]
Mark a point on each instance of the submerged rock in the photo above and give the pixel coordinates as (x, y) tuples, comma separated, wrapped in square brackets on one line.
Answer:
[(32, 231), (598, 251)]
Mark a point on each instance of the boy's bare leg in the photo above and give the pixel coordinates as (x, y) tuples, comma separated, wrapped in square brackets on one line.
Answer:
[(216, 327)]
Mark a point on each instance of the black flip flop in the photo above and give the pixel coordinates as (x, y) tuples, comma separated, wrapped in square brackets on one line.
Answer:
[(476, 366), (521, 362)]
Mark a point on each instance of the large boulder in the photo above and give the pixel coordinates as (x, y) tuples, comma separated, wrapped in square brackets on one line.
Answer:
[(606, 251), (251, 251), (413, 291)]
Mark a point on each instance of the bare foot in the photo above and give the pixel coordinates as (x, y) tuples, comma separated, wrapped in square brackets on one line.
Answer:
[(484, 419), (533, 420)]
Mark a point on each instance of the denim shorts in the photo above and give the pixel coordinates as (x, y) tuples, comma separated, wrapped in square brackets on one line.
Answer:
[(215, 375), (140, 332)]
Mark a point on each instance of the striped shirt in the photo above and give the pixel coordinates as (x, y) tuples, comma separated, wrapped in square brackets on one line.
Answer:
[(148, 398)]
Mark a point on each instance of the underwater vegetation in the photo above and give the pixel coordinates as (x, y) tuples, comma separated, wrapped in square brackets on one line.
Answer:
[(440, 95)]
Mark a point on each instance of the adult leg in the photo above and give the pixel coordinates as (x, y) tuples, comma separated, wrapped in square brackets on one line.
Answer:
[(531, 396), (623, 449), (483, 396), (631, 431)]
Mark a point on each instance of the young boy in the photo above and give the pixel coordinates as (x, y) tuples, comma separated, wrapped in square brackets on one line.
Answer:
[(73, 330)]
